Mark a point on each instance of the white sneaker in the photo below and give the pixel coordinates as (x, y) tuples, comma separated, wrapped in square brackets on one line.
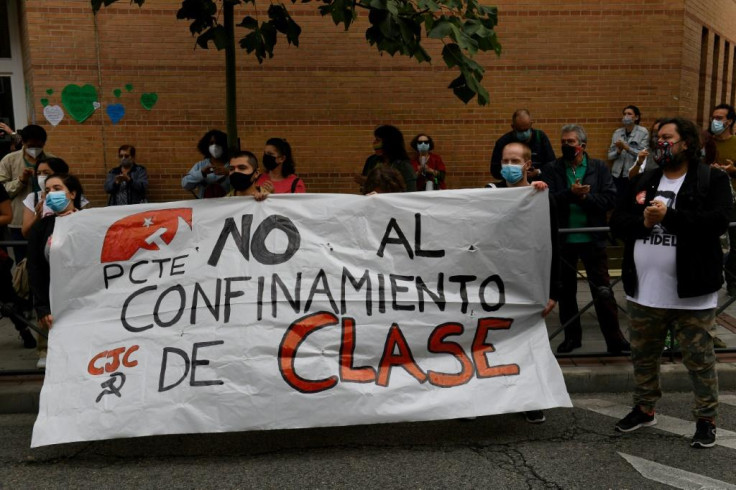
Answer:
[(41, 364)]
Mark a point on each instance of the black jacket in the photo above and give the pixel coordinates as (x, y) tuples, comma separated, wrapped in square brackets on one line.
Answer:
[(600, 199), (542, 152), (137, 186), (39, 272), (700, 218)]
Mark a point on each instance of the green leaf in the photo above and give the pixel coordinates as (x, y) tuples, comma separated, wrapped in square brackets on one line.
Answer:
[(248, 23), (452, 55), (461, 89), (215, 34), (441, 28)]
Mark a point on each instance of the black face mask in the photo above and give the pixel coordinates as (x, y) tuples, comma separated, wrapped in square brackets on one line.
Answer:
[(269, 161), (240, 181), (569, 152), (664, 157)]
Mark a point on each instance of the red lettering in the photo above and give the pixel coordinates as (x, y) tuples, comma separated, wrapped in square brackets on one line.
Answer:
[(113, 366), (94, 370), (349, 373), (126, 358), (404, 358), (480, 348), (438, 345), (293, 338)]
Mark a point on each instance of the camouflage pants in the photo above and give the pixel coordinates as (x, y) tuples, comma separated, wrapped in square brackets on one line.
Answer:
[(692, 330)]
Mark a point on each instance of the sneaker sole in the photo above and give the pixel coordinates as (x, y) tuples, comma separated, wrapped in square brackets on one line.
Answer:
[(643, 424), (702, 444), (537, 421)]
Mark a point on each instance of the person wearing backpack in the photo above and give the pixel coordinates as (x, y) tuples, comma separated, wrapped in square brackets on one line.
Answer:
[(522, 132), (280, 168), (671, 219)]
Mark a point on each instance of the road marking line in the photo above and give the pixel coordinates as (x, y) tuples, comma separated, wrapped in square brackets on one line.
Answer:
[(674, 477), (665, 423)]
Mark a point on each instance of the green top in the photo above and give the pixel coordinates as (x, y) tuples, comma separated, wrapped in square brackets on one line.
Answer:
[(578, 218)]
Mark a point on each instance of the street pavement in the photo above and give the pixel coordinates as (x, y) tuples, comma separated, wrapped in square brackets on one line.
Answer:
[(574, 449)]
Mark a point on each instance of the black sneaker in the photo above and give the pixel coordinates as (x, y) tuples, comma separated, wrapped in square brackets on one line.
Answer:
[(634, 420), (29, 342), (705, 434), (535, 416)]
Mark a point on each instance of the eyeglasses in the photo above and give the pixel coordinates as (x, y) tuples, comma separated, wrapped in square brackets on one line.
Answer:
[(422, 141)]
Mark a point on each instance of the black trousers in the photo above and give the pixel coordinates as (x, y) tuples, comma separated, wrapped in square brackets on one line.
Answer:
[(596, 266)]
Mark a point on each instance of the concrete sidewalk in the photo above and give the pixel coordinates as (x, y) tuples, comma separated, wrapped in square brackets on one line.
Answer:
[(590, 373)]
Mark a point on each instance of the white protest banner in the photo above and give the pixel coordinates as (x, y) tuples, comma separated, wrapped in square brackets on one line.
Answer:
[(298, 311)]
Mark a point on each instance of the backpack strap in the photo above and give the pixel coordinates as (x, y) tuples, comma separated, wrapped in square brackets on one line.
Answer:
[(294, 184)]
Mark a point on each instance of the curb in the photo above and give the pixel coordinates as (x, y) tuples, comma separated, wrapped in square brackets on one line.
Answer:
[(22, 395)]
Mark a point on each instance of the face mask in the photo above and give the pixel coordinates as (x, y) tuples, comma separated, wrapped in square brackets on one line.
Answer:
[(269, 161), (627, 120), (378, 146), (664, 157), (34, 152), (512, 173), (423, 147), (717, 127), (126, 162), (240, 181), (215, 151), (57, 201), (41, 179), (523, 135), (569, 153)]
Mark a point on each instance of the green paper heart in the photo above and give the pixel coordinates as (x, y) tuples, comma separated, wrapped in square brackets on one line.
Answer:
[(44, 102), (129, 87), (49, 91), (78, 101), (117, 92), (149, 100)]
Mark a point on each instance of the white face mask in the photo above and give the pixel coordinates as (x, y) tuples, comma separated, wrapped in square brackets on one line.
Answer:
[(41, 179), (34, 152), (215, 151)]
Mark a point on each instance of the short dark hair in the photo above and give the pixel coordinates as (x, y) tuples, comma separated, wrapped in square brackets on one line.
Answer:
[(246, 154), (130, 148), (690, 134), (220, 139), (393, 142), (731, 112), (72, 183), (57, 165), (414, 141), (637, 112), (385, 179), (284, 148), (33, 132)]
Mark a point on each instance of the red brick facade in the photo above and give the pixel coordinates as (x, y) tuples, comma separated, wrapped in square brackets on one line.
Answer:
[(567, 61)]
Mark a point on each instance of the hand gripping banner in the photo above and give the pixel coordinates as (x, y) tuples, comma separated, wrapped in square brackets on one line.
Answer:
[(299, 311)]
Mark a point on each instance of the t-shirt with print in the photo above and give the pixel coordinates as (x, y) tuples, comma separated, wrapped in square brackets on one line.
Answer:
[(656, 264)]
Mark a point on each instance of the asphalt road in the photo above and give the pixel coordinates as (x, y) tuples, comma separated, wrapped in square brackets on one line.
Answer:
[(575, 448)]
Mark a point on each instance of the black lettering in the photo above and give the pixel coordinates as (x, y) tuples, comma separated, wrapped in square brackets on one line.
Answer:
[(160, 263), (496, 279), (294, 302), (418, 240), (108, 277), (463, 280), (164, 365), (260, 298), (240, 237), (395, 289), (229, 294), (196, 362), (180, 311), (124, 311), (438, 298), (175, 265), (325, 289), (258, 245), (364, 279), (132, 268), (215, 310), (400, 240), (381, 295)]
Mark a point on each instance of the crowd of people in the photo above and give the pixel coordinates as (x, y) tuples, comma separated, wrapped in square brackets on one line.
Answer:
[(665, 191)]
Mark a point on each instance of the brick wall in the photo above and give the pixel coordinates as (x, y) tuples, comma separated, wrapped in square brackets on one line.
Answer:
[(567, 61)]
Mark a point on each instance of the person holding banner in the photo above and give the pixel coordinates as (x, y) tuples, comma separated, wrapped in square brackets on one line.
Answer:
[(279, 163), (210, 175), (243, 175), (516, 162), (63, 197)]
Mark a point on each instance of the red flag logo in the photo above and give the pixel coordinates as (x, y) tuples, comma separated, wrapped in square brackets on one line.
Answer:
[(147, 230)]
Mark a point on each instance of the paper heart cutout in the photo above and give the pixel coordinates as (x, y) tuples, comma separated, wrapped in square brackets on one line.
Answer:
[(129, 87), (115, 112), (79, 101), (148, 100), (44, 102), (53, 114), (117, 92), (49, 91), (96, 105)]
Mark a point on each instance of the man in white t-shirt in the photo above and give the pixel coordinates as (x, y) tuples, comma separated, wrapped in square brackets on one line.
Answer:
[(671, 218)]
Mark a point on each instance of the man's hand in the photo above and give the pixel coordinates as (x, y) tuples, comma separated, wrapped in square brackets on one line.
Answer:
[(46, 321), (654, 213), (539, 185), (621, 146), (580, 190), (727, 167), (5, 129), (548, 309), (642, 156), (122, 178), (533, 172)]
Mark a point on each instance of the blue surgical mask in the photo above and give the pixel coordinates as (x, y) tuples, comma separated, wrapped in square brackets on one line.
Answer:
[(627, 120), (523, 135), (423, 147), (717, 127), (57, 201), (512, 173)]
